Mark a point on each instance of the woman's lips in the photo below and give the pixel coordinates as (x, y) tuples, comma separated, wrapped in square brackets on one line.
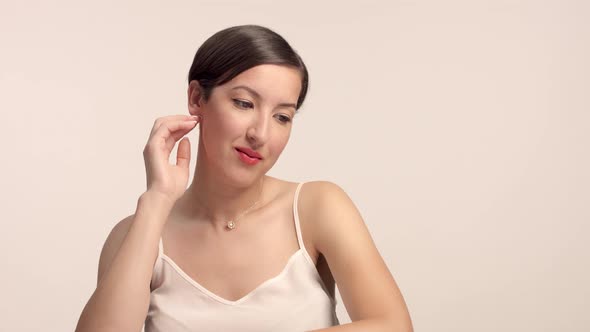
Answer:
[(251, 153), (246, 159)]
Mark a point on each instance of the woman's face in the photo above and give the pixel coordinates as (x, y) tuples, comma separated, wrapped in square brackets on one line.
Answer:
[(254, 110)]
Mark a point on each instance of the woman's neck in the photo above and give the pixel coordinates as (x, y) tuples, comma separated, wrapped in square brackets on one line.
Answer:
[(213, 199)]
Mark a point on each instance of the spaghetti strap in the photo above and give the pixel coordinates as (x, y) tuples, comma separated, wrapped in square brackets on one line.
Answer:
[(296, 216), (298, 226), (156, 279)]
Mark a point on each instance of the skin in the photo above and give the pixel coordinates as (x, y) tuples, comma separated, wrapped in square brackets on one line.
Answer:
[(222, 185), (333, 231), (232, 264)]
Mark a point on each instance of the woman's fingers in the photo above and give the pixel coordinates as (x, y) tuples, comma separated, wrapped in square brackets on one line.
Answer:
[(168, 119), (165, 137), (178, 134), (160, 175), (182, 130), (166, 130), (183, 155)]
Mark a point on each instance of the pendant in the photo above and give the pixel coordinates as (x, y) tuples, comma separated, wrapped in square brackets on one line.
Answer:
[(231, 225)]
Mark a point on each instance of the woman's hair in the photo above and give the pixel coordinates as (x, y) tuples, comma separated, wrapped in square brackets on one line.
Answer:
[(233, 50)]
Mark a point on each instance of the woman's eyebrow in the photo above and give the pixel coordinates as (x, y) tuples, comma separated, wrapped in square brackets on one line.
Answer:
[(257, 95)]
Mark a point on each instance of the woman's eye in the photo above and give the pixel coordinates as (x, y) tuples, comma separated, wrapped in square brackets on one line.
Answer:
[(242, 104), (246, 104), (284, 119)]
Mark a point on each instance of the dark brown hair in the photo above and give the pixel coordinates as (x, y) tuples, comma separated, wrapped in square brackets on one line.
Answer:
[(233, 50)]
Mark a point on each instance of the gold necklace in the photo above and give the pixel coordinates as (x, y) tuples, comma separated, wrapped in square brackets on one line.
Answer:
[(231, 224)]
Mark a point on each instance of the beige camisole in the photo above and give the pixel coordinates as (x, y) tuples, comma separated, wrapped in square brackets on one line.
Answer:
[(294, 300)]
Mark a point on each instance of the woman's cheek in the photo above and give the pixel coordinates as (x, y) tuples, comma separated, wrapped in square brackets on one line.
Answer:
[(278, 148)]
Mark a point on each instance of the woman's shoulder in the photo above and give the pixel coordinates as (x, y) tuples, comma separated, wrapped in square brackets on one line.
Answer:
[(315, 196), (310, 193), (320, 201), (318, 204), (311, 187), (317, 190)]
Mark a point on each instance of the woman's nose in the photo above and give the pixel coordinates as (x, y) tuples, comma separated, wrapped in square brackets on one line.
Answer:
[(258, 131)]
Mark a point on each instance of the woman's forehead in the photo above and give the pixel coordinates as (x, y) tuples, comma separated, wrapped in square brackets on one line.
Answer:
[(274, 82)]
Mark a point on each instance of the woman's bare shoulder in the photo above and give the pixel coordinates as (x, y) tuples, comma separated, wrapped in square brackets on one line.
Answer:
[(312, 194), (318, 189), (312, 188)]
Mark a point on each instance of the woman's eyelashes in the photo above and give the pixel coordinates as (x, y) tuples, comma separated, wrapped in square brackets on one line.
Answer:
[(242, 104), (246, 104), (284, 119)]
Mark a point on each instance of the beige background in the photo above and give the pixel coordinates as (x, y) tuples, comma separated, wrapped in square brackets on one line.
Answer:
[(459, 128)]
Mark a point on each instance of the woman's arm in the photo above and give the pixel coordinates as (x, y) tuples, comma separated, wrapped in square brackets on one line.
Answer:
[(121, 299), (369, 292)]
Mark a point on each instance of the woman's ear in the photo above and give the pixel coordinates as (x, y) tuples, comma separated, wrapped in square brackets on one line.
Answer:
[(195, 96)]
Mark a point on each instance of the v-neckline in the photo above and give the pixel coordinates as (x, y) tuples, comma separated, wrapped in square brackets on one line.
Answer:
[(218, 298)]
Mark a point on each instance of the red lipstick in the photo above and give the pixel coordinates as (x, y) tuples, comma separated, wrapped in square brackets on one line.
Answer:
[(247, 156), (251, 153)]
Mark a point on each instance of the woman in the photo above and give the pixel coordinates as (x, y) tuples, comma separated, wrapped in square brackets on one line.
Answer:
[(239, 250)]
